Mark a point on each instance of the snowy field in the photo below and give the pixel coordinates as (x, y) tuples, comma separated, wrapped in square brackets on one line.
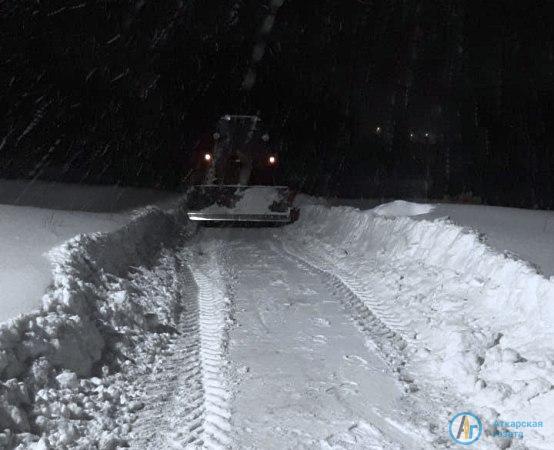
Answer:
[(347, 329), (35, 217)]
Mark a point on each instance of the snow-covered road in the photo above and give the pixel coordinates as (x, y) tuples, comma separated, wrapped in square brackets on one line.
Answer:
[(292, 370), (305, 376)]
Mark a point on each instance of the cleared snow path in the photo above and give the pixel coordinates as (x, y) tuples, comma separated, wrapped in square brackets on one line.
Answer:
[(303, 372), (268, 356)]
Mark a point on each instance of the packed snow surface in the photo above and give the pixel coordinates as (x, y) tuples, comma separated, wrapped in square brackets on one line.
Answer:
[(347, 329), (303, 372)]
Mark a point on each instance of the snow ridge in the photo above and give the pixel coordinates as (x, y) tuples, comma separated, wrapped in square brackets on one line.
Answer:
[(477, 323), (56, 363)]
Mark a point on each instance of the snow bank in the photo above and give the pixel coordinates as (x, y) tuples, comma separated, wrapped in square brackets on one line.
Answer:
[(53, 213), (527, 234), (26, 235), (477, 323), (90, 320)]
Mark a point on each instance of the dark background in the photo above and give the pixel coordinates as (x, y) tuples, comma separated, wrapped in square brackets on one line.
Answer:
[(385, 98)]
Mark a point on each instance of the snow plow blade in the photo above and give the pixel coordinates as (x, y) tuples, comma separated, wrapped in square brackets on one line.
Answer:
[(213, 203)]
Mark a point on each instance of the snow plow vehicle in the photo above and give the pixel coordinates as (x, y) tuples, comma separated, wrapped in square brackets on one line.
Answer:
[(236, 174)]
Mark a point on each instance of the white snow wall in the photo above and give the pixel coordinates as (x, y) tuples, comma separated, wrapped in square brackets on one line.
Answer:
[(72, 329), (478, 323)]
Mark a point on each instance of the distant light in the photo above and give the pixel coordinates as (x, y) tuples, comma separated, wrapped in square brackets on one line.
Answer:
[(412, 135), (208, 157), (378, 130), (272, 160), (427, 134)]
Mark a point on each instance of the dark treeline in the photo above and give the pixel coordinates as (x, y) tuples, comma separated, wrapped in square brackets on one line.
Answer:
[(374, 98)]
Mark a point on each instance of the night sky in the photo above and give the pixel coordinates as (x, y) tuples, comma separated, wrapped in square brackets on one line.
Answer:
[(441, 99)]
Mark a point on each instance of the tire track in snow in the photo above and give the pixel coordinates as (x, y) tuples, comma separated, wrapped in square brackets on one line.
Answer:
[(213, 319), (174, 392), (373, 320), (191, 404), (298, 382), (391, 345)]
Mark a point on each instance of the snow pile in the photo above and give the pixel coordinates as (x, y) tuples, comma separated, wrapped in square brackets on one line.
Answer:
[(401, 208), (475, 323), (248, 200), (61, 367), (257, 198)]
